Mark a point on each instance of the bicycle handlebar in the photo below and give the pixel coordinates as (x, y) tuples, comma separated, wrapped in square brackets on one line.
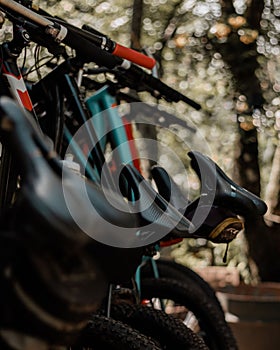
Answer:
[(139, 80), (94, 46), (120, 50), (60, 32), (135, 75), (108, 46)]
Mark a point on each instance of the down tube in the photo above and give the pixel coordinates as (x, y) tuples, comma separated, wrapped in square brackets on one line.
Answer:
[(102, 100)]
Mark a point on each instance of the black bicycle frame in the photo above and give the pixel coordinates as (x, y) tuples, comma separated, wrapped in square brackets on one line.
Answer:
[(53, 92)]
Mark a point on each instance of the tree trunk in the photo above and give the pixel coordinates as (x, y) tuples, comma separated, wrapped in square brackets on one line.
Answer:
[(264, 248), (136, 24), (247, 171), (263, 236), (242, 57)]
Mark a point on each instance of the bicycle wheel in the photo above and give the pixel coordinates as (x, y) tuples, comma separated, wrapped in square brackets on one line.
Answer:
[(170, 269), (173, 270), (107, 333), (193, 306), (170, 332)]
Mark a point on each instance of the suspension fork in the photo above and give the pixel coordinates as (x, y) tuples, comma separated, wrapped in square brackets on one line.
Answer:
[(12, 84), (15, 86), (155, 273)]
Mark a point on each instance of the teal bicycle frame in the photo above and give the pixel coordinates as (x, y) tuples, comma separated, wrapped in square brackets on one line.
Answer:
[(102, 105), (105, 117)]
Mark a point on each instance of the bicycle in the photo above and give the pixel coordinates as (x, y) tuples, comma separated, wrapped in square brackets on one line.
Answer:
[(198, 296), (50, 214), (159, 199), (119, 137), (29, 195), (116, 277)]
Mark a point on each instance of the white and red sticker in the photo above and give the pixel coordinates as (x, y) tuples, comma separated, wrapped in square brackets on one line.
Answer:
[(19, 90)]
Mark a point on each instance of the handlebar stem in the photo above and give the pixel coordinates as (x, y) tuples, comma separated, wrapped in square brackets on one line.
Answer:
[(21, 39)]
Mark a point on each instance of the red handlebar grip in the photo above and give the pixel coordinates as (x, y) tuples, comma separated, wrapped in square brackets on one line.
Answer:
[(134, 56)]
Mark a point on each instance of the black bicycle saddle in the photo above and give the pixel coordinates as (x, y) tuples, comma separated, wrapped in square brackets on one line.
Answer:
[(214, 213), (53, 200), (62, 263), (168, 189), (227, 192), (216, 188), (152, 207)]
